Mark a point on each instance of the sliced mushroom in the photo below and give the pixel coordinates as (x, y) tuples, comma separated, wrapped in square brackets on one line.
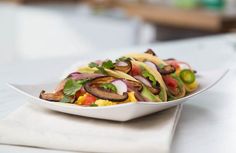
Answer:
[(148, 83), (167, 69), (124, 66), (137, 94), (60, 86), (169, 59), (150, 51), (155, 91), (134, 84), (51, 96), (102, 80), (93, 87), (136, 87)]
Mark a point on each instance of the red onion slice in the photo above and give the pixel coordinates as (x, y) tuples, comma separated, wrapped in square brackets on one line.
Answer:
[(120, 86), (120, 63), (143, 80), (151, 65), (98, 62), (80, 76)]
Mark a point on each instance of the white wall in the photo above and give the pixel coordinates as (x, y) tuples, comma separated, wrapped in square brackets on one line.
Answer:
[(46, 31), (49, 31), (7, 33)]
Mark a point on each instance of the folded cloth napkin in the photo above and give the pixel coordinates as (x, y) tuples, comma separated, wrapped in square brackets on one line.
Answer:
[(35, 126)]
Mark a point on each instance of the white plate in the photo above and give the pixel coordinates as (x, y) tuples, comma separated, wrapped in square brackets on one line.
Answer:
[(121, 112)]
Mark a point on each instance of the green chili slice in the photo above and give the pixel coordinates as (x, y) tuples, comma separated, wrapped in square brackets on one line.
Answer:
[(187, 76)]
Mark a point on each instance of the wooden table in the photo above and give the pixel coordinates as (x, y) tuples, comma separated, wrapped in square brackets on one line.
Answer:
[(199, 19), (175, 21), (162, 15)]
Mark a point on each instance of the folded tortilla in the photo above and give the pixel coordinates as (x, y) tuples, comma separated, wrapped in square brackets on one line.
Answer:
[(142, 57), (158, 77), (158, 98)]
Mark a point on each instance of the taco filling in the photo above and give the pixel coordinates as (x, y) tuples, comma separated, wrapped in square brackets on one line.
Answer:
[(132, 78)]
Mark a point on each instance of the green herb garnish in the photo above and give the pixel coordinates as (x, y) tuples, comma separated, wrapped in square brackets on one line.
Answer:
[(109, 86), (161, 66), (108, 64), (150, 77), (93, 64), (100, 69), (123, 59), (93, 105), (72, 86), (67, 99)]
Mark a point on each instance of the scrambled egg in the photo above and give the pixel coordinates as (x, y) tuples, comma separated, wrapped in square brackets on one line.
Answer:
[(101, 102), (131, 97)]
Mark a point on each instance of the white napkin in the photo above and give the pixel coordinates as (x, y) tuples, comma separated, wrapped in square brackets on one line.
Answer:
[(34, 126)]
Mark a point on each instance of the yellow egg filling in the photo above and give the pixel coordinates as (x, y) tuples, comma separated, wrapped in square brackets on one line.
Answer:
[(101, 102)]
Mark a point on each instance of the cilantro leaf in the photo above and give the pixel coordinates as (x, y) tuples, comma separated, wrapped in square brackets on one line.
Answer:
[(109, 86), (83, 81), (123, 59), (150, 77), (93, 105), (101, 70), (67, 99), (72, 86), (108, 64), (93, 64), (161, 66)]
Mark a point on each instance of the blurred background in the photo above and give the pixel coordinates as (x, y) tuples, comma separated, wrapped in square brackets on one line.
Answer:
[(36, 29)]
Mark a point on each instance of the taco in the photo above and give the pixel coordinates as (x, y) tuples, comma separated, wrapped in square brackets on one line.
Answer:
[(92, 89), (153, 86), (171, 72), (132, 78)]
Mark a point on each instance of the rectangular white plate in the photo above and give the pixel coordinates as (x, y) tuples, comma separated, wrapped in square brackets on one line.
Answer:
[(121, 112)]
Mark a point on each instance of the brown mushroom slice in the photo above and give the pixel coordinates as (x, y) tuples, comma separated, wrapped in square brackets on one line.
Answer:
[(103, 94), (155, 91), (166, 70), (60, 86), (137, 94), (94, 88), (169, 59), (123, 66), (151, 52), (51, 96), (102, 80), (136, 87), (148, 83), (134, 84)]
